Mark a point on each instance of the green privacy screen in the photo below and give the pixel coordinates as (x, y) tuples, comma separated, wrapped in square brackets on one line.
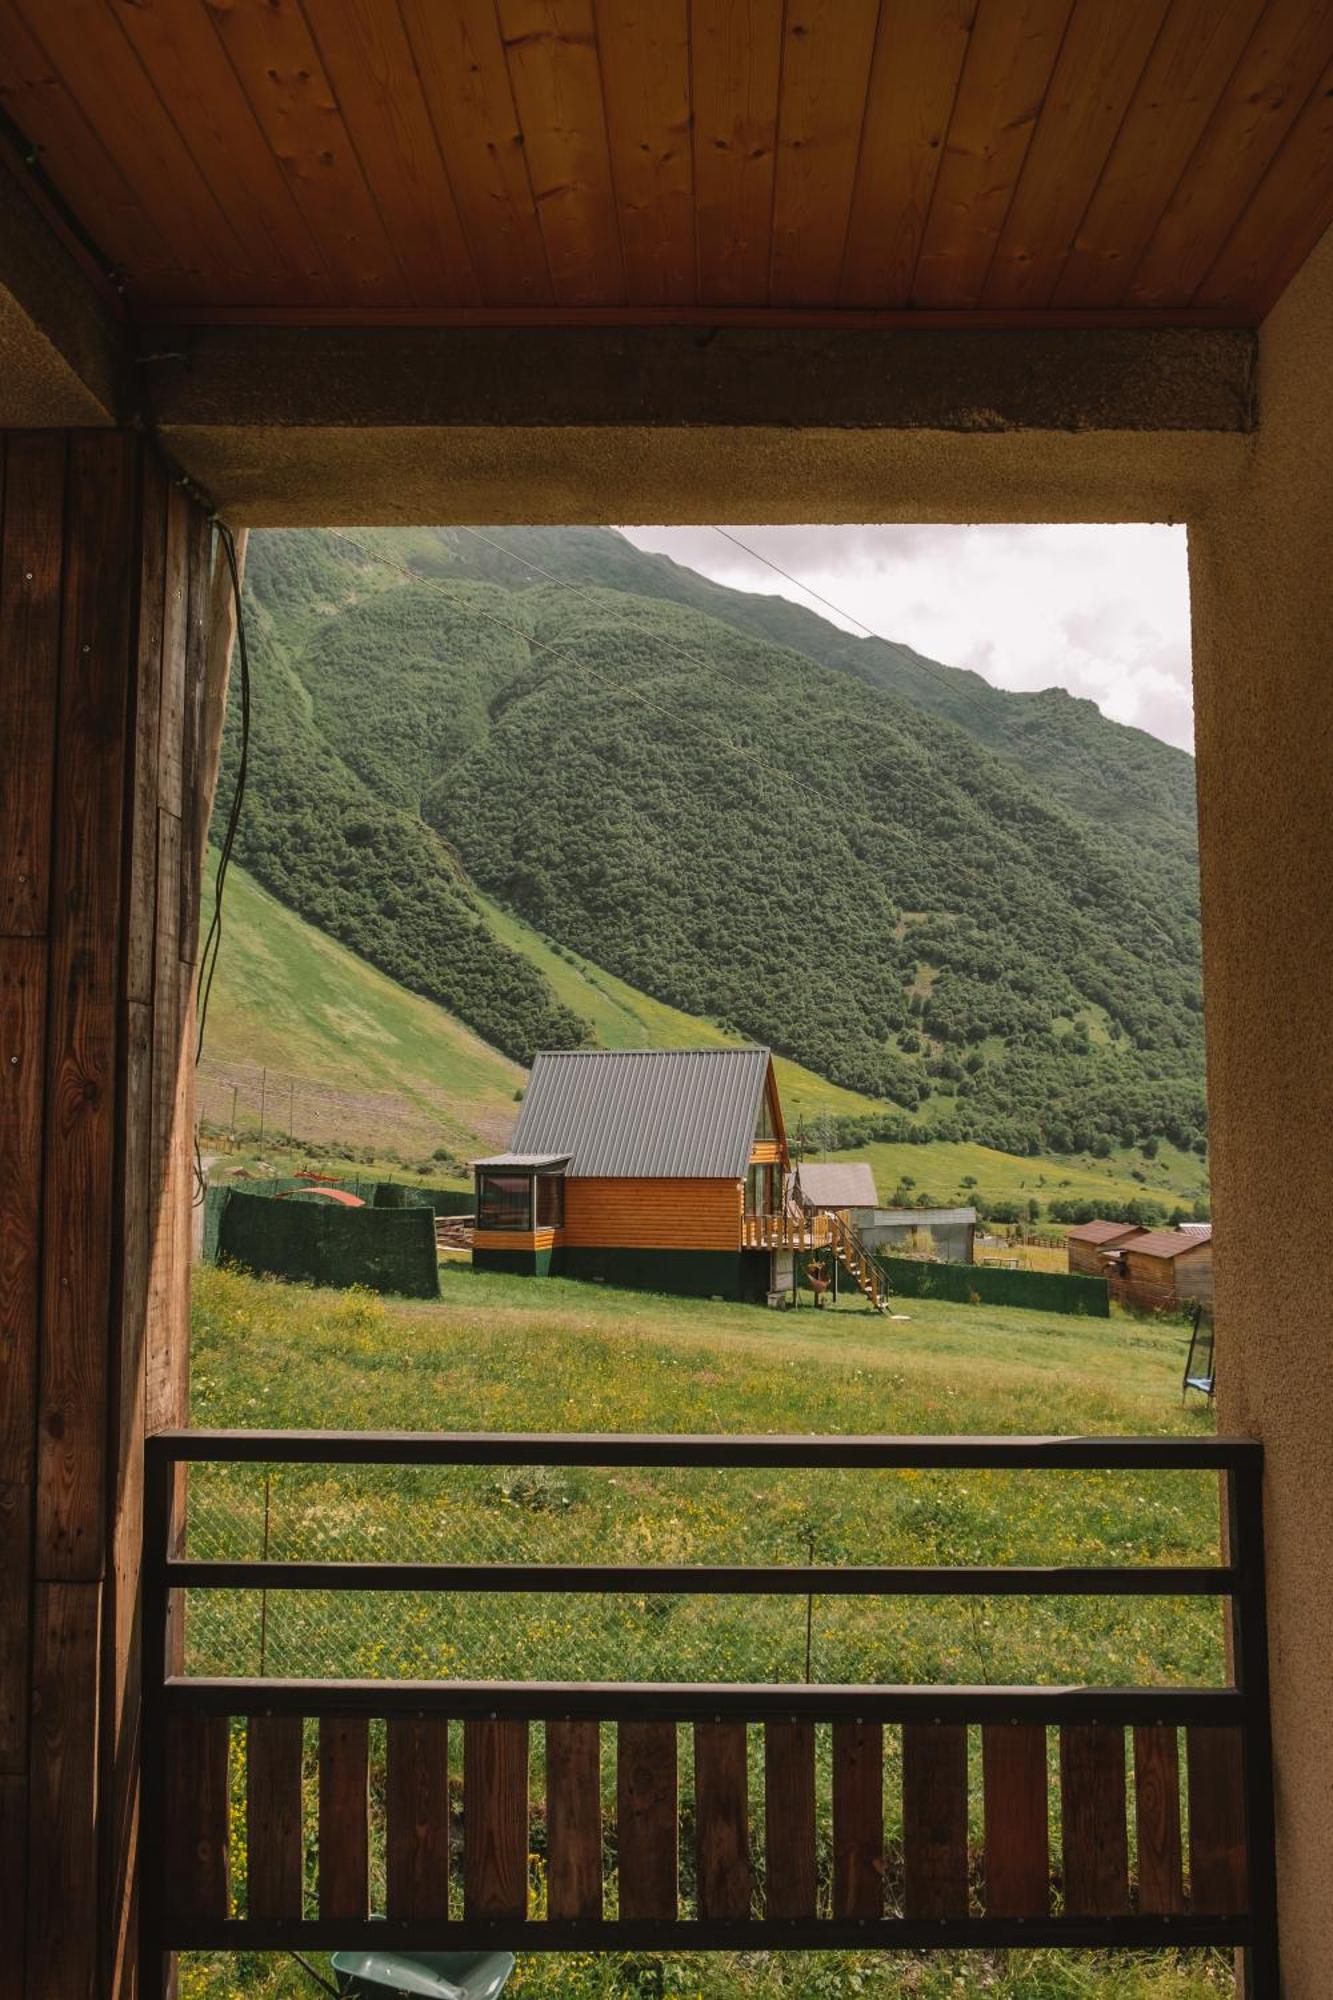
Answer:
[(1040, 1291), (322, 1243)]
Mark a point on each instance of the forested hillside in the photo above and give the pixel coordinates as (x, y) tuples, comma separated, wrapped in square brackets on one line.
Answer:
[(981, 907)]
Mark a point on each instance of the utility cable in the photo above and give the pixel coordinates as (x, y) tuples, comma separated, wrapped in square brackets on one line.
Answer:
[(809, 590)]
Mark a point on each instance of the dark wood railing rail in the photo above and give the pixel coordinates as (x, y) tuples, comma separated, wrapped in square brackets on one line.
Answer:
[(1226, 1896)]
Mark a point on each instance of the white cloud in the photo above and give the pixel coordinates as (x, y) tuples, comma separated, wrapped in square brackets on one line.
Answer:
[(1101, 611)]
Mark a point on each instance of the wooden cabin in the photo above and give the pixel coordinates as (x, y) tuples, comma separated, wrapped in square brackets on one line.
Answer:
[(1089, 1243), (1161, 1270), (654, 1168)]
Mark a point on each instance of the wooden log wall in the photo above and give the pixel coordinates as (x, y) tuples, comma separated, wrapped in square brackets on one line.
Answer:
[(642, 1821), (104, 594)]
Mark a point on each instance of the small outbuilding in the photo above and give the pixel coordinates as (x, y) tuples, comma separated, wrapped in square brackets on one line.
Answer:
[(1089, 1242), (943, 1235), (1161, 1270)]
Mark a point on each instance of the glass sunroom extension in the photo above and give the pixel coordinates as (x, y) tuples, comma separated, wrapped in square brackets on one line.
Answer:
[(521, 1191)]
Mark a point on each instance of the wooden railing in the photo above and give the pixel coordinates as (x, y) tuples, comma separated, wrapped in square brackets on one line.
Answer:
[(754, 1876), (860, 1263), (809, 1231)]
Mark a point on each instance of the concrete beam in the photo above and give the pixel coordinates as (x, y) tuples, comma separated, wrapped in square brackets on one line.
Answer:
[(66, 359), (793, 378)]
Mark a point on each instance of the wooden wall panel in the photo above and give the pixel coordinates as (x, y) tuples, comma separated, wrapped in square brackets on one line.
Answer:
[(1018, 1864), (30, 577), (858, 1819), (653, 1214), (63, 1888), (13, 1884), (644, 47), (344, 1816), (95, 1114), (647, 1789), (81, 1109), (935, 1819), (790, 1874), (495, 1819), (196, 1828), (274, 1853), (23, 964), (723, 1874), (736, 66)]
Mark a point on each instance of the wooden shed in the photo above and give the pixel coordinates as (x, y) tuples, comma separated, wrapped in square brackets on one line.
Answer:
[(641, 1168), (1089, 1242), (1163, 1269)]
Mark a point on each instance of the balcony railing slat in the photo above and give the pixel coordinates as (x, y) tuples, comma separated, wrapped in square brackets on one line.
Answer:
[(647, 1813), (789, 1819), (495, 1819), (724, 1875), (1095, 1837), (344, 1809), (1157, 1819), (416, 1846), (1216, 1789), (935, 1819), (1017, 1837), (858, 1820), (273, 1816), (574, 1820)]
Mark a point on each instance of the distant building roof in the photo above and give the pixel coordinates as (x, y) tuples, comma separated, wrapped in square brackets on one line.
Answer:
[(651, 1114), (1196, 1229), (529, 1162), (1100, 1231), (1170, 1242), (924, 1218), (837, 1183)]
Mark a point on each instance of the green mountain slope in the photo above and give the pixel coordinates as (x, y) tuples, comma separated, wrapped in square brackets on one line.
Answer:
[(744, 834)]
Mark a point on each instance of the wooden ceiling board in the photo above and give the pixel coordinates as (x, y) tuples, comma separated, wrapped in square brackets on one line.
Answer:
[(1266, 249), (994, 162), (828, 47), (1010, 60), (1101, 61), (188, 68), (461, 62), (1260, 105), (278, 67), (83, 42), (551, 49), (736, 64), (365, 51), (914, 75), (1197, 50), (36, 99), (645, 65)]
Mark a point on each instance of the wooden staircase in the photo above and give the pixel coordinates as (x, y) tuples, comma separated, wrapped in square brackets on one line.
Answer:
[(858, 1262)]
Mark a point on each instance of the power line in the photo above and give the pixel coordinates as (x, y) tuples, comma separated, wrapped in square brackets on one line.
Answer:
[(809, 589)]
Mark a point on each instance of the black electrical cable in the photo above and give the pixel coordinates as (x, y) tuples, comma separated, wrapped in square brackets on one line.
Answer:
[(318, 1977), (208, 958)]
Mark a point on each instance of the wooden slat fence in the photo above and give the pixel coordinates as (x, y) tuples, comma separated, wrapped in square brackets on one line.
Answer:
[(693, 1816)]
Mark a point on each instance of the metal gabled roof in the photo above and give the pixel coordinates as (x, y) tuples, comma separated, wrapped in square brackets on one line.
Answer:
[(837, 1183), (651, 1114)]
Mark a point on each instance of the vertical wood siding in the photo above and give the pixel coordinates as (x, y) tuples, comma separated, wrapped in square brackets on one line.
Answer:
[(104, 571)]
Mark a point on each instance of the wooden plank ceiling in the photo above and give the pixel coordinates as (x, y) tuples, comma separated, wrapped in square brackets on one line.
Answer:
[(1006, 160)]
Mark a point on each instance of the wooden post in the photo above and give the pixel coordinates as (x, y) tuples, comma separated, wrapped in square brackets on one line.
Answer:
[(104, 586)]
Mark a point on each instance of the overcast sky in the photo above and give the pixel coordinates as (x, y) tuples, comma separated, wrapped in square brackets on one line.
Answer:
[(1102, 611)]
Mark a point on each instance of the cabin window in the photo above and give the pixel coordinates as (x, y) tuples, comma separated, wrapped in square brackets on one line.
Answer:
[(505, 1201), (764, 1127), (550, 1201), (761, 1190)]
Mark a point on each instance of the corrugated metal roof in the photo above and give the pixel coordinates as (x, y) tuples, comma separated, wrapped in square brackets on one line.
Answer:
[(1168, 1243), (530, 1162), (837, 1183), (1099, 1231), (923, 1218), (653, 1114)]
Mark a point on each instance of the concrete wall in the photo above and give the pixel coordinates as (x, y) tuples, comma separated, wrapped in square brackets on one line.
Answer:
[(1261, 579)]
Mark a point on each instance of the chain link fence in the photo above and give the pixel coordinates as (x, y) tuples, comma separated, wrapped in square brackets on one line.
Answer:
[(535, 1514)]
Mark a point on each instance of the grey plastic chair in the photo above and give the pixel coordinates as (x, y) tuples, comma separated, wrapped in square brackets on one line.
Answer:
[(438, 1975)]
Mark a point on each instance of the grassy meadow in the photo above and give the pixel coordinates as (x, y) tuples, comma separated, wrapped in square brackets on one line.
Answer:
[(507, 1354)]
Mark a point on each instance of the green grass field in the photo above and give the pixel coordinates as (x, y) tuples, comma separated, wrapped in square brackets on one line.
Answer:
[(499, 1353), (942, 1170)]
